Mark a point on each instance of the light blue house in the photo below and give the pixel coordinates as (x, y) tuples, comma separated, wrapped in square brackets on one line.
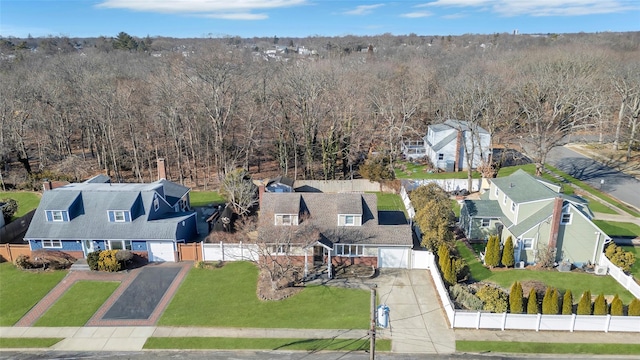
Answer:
[(80, 218)]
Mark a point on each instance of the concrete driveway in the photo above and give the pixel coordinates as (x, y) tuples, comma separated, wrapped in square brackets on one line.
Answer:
[(416, 319)]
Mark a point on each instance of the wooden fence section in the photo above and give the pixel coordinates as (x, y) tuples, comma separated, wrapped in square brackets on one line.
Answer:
[(10, 252), (190, 252)]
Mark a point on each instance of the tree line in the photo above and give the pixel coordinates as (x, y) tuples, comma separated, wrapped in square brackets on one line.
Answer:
[(218, 105)]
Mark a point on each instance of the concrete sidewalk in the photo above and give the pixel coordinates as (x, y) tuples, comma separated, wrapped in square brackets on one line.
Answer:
[(133, 338)]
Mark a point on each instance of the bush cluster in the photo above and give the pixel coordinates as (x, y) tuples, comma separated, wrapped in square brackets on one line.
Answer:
[(109, 260), (619, 257), (452, 267), (493, 298), (465, 298)]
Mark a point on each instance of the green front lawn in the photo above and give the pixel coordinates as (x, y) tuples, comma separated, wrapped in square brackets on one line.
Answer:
[(546, 348), (205, 198), (575, 281), (618, 229), (416, 171), (598, 207), (21, 290), (27, 201), (264, 344), (227, 297), (85, 297), (28, 343)]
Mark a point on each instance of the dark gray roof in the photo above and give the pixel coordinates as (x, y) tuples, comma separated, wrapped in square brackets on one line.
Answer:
[(99, 179), (172, 191), (522, 187), (91, 221), (323, 210), (483, 208)]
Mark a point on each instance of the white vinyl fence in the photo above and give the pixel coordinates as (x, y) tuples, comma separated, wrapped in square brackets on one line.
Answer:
[(448, 184), (625, 280), (505, 321), (229, 252)]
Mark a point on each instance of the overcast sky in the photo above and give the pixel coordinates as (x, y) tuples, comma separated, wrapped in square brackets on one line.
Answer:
[(301, 18)]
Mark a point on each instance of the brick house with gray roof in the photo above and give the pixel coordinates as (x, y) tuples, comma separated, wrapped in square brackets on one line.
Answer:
[(80, 218), (347, 228), (535, 215)]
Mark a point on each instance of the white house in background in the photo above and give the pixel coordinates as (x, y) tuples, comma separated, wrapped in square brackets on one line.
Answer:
[(445, 145)]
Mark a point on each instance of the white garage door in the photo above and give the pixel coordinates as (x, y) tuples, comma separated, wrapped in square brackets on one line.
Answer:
[(161, 251), (393, 258)]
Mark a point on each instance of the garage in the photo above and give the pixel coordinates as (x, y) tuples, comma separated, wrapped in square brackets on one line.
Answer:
[(160, 251), (393, 257)]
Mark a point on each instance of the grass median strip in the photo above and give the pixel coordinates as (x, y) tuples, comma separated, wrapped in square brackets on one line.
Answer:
[(84, 297), (547, 348), (224, 343), (28, 343)]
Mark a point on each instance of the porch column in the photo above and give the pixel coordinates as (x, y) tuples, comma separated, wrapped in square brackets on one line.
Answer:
[(329, 265), (306, 263)]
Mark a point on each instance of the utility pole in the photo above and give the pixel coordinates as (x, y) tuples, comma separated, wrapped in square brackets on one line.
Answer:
[(372, 330)]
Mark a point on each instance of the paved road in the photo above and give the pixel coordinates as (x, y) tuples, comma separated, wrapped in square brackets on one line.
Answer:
[(619, 185)]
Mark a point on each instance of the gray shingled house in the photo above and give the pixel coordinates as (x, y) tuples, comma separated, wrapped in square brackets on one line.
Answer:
[(80, 218), (445, 145), (536, 215), (345, 228)]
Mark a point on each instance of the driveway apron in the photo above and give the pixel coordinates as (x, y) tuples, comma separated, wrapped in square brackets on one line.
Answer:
[(416, 321)]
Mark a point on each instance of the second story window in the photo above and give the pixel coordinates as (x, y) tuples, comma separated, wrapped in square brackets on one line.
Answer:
[(56, 216), (118, 216)]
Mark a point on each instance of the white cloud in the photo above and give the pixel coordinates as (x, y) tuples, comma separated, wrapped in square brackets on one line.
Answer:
[(542, 7), (417, 14), (237, 16), (363, 9), (221, 9)]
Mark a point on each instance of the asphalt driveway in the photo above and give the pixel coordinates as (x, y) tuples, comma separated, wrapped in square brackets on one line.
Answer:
[(143, 295)]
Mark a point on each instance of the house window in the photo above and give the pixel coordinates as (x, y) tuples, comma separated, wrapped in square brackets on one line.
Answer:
[(349, 220), (120, 244), (156, 204), (486, 222), (527, 244), (566, 219), (513, 207), (440, 156), (497, 192), (286, 219), (349, 250), (56, 244), (504, 200), (281, 249), (56, 216), (118, 216)]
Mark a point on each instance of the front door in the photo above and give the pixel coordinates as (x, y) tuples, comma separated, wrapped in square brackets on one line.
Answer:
[(318, 255), (88, 247)]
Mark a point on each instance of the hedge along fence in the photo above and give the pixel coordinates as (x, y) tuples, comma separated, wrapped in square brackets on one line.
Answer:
[(506, 321)]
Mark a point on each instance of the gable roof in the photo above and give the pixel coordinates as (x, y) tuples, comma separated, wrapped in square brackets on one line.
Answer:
[(91, 221), (457, 125), (323, 210), (522, 187), (534, 219)]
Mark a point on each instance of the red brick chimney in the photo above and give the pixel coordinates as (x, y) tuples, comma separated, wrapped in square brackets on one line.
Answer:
[(260, 193), (46, 185), (555, 223), (458, 157), (162, 169)]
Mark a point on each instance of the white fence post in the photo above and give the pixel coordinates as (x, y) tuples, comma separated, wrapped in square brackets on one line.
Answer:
[(222, 250), (478, 321), (573, 322), (538, 322), (504, 320), (607, 323)]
